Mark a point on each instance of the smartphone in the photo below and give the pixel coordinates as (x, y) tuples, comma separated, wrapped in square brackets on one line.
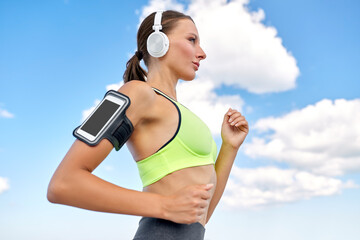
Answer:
[(102, 118)]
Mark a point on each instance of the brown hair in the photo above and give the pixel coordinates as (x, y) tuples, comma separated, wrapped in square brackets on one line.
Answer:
[(168, 21)]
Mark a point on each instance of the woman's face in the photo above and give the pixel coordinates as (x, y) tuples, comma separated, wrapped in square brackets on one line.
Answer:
[(185, 53)]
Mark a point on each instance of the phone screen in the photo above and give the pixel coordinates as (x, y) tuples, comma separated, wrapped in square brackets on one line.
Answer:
[(100, 117)]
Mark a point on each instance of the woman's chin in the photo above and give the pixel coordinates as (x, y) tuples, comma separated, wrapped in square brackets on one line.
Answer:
[(189, 77)]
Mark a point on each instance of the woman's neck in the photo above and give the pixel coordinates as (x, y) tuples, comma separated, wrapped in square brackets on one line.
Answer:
[(164, 81)]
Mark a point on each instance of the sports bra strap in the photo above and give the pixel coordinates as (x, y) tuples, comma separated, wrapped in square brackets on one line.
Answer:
[(163, 94)]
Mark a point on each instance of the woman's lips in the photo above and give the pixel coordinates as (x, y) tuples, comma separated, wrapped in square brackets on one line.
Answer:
[(197, 65)]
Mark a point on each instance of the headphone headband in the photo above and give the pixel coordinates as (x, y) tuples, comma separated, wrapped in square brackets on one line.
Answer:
[(157, 43), (157, 21)]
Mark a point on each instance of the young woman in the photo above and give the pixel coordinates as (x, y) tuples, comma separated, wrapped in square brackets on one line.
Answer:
[(183, 180)]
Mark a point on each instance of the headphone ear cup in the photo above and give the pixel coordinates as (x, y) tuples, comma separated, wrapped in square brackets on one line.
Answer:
[(157, 44)]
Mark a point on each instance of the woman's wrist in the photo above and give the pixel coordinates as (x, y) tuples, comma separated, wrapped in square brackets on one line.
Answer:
[(229, 147), (162, 207)]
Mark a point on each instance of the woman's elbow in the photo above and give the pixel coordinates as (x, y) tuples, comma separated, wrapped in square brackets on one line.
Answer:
[(55, 191)]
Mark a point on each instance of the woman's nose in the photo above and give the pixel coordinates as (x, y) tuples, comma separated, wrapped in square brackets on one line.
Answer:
[(201, 54)]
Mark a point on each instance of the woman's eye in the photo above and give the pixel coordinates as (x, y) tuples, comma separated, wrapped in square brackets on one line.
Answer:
[(192, 40)]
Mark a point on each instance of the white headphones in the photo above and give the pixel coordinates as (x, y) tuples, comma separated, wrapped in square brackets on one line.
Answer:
[(157, 43)]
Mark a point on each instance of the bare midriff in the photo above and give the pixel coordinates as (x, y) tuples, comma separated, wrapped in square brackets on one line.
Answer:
[(177, 180)]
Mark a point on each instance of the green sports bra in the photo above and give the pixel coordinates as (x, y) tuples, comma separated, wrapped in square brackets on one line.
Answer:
[(192, 145)]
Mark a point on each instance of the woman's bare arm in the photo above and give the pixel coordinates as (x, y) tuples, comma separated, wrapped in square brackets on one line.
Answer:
[(233, 132), (223, 167), (73, 184)]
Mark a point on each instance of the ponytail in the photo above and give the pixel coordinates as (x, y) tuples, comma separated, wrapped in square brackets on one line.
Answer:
[(133, 69)]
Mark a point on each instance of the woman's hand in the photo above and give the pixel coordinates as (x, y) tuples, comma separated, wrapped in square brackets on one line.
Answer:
[(187, 205), (234, 129)]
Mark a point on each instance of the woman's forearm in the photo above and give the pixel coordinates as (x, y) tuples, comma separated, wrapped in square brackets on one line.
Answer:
[(82, 189), (223, 167)]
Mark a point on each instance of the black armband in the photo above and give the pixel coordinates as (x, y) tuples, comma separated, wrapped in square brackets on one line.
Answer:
[(108, 120)]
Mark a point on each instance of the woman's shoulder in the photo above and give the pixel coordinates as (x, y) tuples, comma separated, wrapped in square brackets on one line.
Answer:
[(142, 100), (138, 91)]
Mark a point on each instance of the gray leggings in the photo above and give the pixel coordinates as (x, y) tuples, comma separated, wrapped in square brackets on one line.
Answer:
[(160, 229)]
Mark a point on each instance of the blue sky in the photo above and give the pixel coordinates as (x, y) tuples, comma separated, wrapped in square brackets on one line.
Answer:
[(295, 177)]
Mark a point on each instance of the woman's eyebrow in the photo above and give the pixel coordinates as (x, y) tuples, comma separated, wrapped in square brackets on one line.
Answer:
[(196, 36)]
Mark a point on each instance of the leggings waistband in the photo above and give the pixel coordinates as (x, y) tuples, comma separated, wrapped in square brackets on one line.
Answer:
[(156, 228)]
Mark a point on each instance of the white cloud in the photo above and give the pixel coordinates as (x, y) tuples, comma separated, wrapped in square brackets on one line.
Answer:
[(199, 96), (323, 138), (254, 188), (241, 50), (115, 86), (5, 114), (155, 5), (4, 184)]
